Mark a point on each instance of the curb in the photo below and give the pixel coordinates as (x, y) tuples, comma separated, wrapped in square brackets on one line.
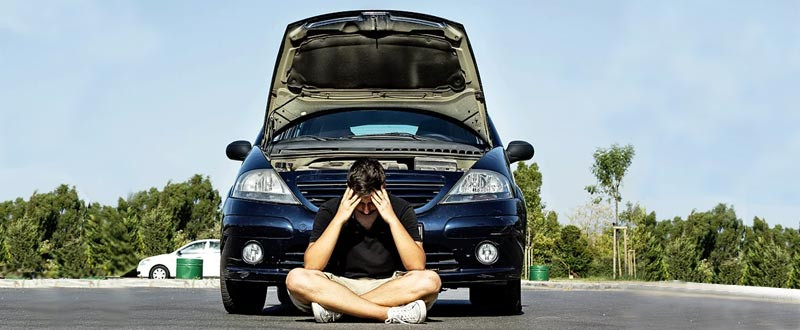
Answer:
[(207, 283), (780, 294), (784, 295)]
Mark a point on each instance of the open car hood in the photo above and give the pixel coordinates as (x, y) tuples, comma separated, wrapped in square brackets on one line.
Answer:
[(376, 59)]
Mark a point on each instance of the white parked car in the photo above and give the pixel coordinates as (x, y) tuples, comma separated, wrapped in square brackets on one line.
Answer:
[(164, 265)]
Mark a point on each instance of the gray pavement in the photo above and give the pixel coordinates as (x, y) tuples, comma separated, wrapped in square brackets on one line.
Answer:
[(550, 308)]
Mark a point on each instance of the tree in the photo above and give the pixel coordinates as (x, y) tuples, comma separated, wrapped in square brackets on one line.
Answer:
[(112, 241), (593, 219), (529, 180), (67, 239), (9, 210), (22, 252), (764, 262), (572, 250), (155, 232), (728, 233), (57, 235), (610, 166), (600, 252), (793, 282), (681, 259), (650, 265), (646, 241)]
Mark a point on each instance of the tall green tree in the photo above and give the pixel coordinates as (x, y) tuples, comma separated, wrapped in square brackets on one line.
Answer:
[(793, 280), (573, 250), (610, 166), (546, 239), (765, 263), (22, 252), (68, 246), (729, 237), (646, 242), (9, 210), (718, 235), (529, 180), (112, 241), (600, 252), (682, 259), (156, 229)]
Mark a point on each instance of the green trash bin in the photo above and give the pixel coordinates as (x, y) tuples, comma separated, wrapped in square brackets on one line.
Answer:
[(539, 273), (189, 268)]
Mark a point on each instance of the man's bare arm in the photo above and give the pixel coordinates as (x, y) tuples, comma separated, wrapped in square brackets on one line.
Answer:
[(319, 252), (411, 252)]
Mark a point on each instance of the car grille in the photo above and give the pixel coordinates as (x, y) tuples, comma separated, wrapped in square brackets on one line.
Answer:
[(437, 257), (293, 257), (415, 189)]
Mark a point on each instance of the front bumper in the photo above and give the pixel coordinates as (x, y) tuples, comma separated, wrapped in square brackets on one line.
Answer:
[(143, 271), (449, 241), (458, 279)]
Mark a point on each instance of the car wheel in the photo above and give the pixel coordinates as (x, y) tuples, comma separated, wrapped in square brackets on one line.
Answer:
[(501, 299), (159, 272), (242, 297)]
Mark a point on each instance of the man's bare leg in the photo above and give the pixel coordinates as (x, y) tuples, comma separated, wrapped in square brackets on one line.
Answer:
[(312, 286), (416, 284)]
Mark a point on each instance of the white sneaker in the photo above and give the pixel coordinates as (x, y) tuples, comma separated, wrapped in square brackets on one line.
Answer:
[(322, 315), (414, 312)]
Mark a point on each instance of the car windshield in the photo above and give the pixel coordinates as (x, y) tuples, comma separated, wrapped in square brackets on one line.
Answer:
[(379, 123), (194, 248)]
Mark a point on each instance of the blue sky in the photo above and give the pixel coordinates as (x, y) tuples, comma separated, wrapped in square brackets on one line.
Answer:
[(115, 97)]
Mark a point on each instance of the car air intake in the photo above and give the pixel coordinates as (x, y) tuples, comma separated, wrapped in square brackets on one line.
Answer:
[(417, 189), (439, 258)]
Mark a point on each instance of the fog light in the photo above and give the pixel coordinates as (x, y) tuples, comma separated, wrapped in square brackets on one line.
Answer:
[(252, 253), (486, 253)]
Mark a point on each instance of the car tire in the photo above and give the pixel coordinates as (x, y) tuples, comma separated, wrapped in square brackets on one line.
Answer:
[(501, 299), (242, 297), (159, 272)]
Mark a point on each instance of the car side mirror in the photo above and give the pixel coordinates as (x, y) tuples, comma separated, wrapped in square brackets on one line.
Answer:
[(238, 150), (519, 150), (180, 253)]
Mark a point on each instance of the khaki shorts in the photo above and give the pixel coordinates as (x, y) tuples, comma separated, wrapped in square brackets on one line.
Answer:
[(359, 286)]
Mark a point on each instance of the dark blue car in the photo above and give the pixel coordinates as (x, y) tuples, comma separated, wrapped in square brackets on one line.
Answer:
[(399, 87)]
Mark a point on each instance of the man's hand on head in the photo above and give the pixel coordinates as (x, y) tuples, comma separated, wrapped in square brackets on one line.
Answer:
[(381, 200), (346, 206)]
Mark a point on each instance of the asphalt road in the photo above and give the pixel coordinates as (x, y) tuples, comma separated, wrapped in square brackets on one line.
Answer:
[(545, 309)]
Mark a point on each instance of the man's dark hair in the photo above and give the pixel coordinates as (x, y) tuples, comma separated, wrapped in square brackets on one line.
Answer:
[(366, 175)]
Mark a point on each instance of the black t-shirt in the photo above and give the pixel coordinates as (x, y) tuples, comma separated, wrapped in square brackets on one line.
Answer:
[(365, 253)]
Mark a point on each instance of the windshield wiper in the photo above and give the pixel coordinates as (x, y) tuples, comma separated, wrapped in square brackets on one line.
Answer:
[(390, 135), (305, 138)]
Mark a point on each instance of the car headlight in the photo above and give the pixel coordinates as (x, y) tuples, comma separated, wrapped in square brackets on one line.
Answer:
[(263, 185), (144, 261), (486, 253), (479, 185), (252, 253)]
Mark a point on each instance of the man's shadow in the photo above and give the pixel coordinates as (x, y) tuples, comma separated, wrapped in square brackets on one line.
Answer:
[(442, 308)]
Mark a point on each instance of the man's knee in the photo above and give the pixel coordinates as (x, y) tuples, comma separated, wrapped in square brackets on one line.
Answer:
[(300, 280), (426, 281)]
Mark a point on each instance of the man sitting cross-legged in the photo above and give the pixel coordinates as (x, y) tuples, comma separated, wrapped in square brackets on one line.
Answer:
[(368, 243)]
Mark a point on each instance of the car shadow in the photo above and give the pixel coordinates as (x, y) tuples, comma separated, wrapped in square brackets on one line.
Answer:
[(442, 308)]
